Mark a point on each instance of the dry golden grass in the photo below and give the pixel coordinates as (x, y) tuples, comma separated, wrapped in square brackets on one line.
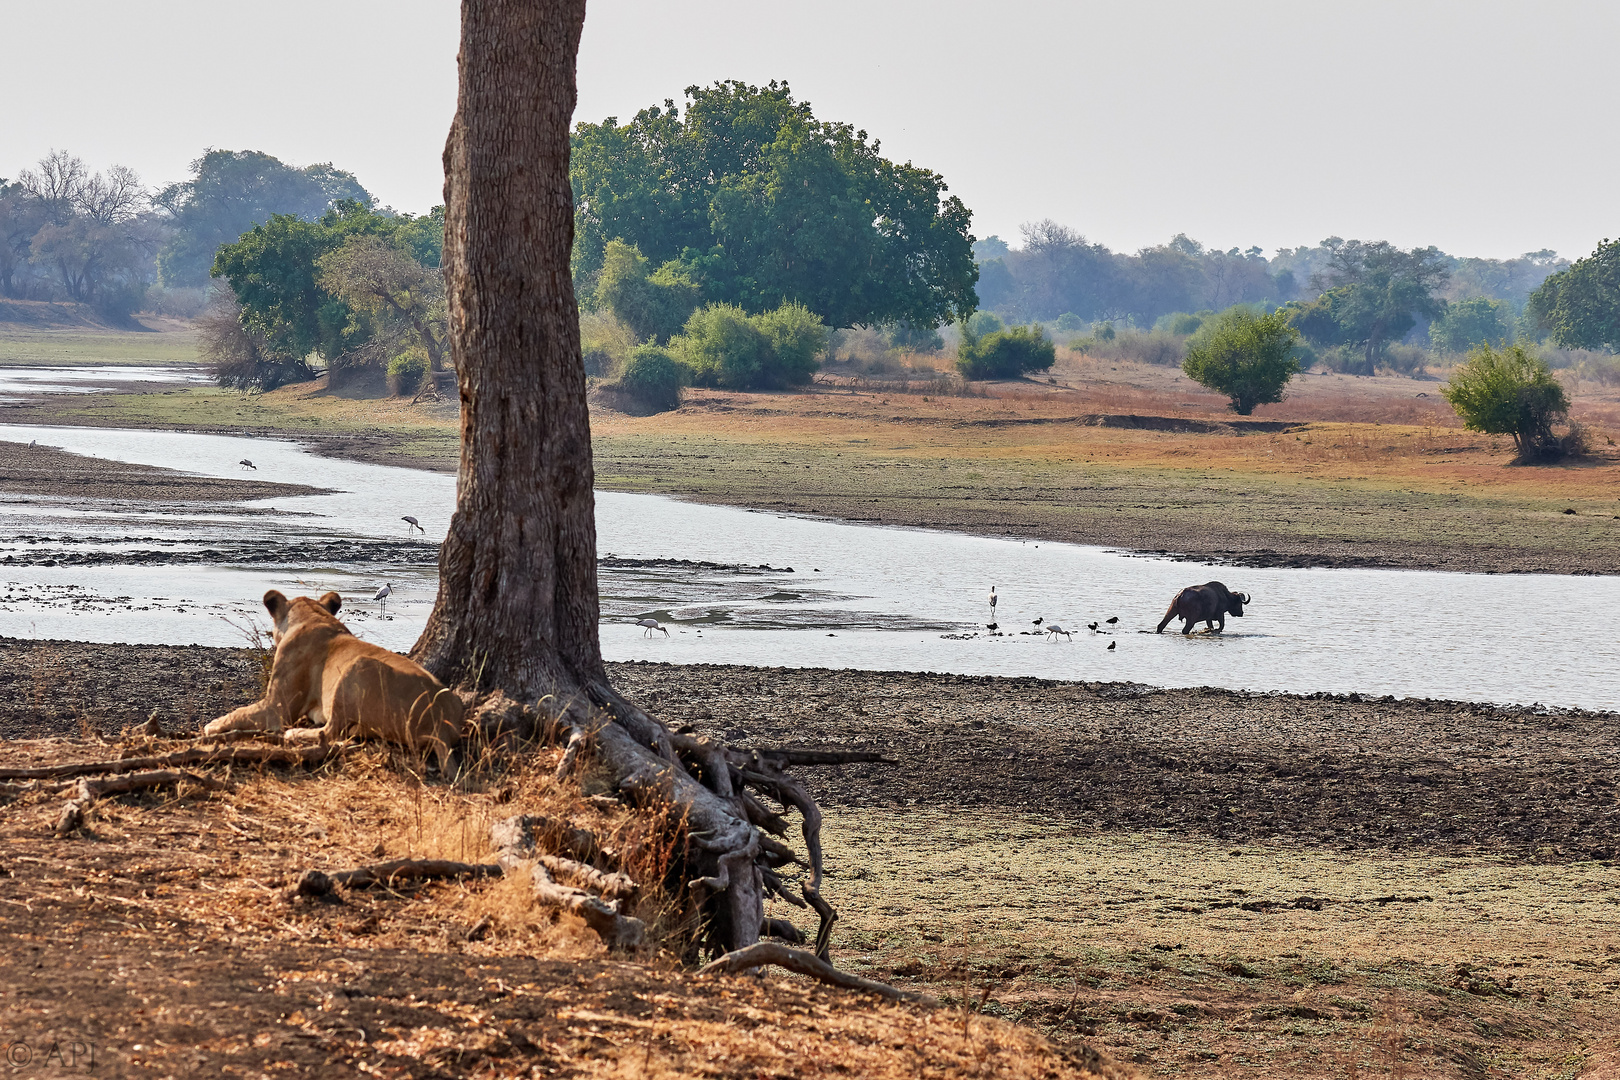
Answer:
[(384, 981)]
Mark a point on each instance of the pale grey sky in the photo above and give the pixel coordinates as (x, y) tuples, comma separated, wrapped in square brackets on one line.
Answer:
[(1480, 127)]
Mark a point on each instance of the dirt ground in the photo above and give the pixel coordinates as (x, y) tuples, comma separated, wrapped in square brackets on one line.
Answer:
[(1348, 472), (1195, 882), (45, 471)]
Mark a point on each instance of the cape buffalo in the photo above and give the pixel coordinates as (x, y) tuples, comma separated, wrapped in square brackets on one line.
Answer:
[(1205, 604)]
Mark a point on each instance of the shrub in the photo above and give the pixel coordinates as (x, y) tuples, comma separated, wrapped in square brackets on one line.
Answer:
[(902, 335), (1150, 347), (1477, 320), (1510, 392), (1182, 322), (653, 377), (653, 306), (724, 346), (1246, 356), (1068, 323), (407, 370), (1004, 354), (239, 358), (605, 342)]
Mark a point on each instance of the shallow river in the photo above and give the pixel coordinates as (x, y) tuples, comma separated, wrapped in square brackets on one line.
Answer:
[(856, 595)]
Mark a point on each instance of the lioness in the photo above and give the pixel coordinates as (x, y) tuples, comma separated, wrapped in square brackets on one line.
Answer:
[(327, 674)]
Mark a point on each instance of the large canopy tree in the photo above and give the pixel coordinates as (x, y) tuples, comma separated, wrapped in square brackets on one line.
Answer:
[(756, 202), (515, 624)]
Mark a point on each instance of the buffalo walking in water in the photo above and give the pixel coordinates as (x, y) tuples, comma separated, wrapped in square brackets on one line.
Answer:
[(1208, 604)]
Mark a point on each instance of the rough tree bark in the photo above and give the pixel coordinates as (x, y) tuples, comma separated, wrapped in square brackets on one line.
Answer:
[(516, 619)]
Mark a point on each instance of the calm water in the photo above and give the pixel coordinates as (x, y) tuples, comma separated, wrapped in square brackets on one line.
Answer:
[(856, 596), (88, 379)]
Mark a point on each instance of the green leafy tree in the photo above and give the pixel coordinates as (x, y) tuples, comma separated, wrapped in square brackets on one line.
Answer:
[(1245, 355), (1004, 354), (378, 279), (753, 201), (1474, 321), (229, 192), (1581, 306), (336, 288), (797, 340), (1373, 293), (1510, 392)]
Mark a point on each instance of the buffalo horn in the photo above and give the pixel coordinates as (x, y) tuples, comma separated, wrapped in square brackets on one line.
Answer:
[(1243, 598)]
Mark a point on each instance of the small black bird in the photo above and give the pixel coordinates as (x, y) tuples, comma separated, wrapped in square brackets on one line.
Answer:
[(1091, 626), (1111, 620), (1111, 645), (1040, 620), (992, 626)]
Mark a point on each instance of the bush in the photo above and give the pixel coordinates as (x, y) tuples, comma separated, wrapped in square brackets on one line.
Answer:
[(1184, 323), (1510, 392), (653, 377), (1004, 354), (653, 306), (1244, 355), (1151, 347), (407, 370), (605, 342), (1069, 322), (904, 336), (240, 359), (724, 346)]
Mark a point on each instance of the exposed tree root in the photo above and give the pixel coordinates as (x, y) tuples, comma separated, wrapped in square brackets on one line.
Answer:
[(318, 883), (517, 838), (803, 962)]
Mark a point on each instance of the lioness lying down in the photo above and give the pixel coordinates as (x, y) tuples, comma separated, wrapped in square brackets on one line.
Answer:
[(327, 674)]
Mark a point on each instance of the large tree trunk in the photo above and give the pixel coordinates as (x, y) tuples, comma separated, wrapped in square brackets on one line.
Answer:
[(516, 619), (517, 607)]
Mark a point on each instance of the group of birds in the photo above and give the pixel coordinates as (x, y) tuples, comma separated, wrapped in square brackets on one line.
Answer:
[(1052, 629)]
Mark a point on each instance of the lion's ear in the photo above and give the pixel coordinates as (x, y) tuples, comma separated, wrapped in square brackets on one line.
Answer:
[(331, 602), (275, 603)]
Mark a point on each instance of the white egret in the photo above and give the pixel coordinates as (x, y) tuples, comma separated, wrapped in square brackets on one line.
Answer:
[(649, 625), (382, 594)]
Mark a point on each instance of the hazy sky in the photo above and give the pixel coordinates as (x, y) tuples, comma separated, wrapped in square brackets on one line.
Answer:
[(1483, 128)]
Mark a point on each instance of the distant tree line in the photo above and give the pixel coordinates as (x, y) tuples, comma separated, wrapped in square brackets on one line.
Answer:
[(107, 240)]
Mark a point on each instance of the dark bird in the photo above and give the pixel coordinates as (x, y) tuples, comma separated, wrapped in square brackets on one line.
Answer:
[(412, 523), (32, 443), (249, 464), (1111, 620), (992, 601), (1091, 626), (992, 626), (1111, 645), (1038, 621)]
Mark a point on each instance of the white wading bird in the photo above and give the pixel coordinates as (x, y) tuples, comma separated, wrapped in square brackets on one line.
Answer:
[(649, 625), (1054, 630), (383, 594), (992, 601), (411, 523)]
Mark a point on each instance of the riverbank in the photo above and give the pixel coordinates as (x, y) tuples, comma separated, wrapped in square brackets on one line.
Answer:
[(1197, 881), (1347, 473)]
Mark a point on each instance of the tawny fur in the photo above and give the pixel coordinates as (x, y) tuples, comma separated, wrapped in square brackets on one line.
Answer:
[(350, 686)]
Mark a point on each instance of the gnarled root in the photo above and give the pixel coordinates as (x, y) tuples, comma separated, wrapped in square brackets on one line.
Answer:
[(803, 963), (90, 790), (592, 894)]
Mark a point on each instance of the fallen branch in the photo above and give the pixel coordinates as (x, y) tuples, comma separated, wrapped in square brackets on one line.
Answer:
[(514, 841), (318, 883), (803, 962), (245, 755), (90, 790), (521, 835)]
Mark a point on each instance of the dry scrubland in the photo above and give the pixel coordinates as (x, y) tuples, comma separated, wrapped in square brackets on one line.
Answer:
[(1348, 472)]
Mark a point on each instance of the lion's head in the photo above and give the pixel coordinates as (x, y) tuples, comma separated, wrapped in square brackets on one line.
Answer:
[(288, 615)]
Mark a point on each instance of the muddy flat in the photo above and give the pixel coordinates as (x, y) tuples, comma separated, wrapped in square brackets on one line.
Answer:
[(45, 471)]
